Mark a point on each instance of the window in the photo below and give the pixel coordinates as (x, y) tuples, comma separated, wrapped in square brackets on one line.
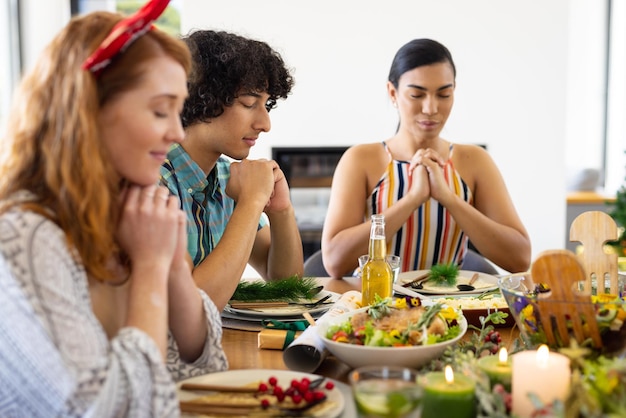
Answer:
[(9, 53), (616, 99), (168, 22), (596, 132)]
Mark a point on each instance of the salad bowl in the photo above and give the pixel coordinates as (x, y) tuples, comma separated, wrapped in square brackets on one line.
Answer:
[(356, 355)]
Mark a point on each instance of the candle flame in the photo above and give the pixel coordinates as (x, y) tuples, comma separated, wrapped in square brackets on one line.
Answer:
[(503, 355), (449, 374), (543, 353)]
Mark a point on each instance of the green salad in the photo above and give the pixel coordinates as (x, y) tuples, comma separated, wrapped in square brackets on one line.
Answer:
[(401, 322)]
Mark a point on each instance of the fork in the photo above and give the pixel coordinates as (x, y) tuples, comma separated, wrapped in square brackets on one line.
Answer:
[(561, 271), (417, 280)]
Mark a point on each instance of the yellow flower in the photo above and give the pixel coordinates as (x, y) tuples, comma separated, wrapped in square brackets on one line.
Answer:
[(448, 313), (394, 333), (603, 298), (400, 303), (612, 380), (527, 311), (415, 302)]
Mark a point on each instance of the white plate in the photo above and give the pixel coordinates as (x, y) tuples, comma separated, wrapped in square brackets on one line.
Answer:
[(484, 283), (287, 311), (246, 376)]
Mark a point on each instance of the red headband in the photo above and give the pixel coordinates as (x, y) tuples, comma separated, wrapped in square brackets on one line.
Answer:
[(123, 34)]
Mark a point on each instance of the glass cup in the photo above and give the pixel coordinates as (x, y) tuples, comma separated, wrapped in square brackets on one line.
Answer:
[(386, 391), (393, 260)]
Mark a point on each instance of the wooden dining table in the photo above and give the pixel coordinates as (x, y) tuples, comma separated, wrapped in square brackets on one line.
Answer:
[(241, 346)]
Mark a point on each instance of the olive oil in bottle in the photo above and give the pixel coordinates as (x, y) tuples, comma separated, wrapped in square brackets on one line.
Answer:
[(376, 274)]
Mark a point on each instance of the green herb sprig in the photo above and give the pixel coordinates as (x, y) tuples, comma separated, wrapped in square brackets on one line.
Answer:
[(380, 308), (429, 315), (291, 288), (444, 274)]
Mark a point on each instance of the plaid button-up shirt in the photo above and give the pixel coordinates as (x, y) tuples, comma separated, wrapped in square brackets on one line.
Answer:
[(203, 199)]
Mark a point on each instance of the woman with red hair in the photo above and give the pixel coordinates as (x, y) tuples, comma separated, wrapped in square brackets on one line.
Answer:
[(100, 314)]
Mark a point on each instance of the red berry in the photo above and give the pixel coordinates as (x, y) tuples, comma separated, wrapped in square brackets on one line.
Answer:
[(277, 391), (329, 385), (296, 398), (508, 401), (265, 403), (280, 396), (304, 386), (273, 381), (319, 395), (309, 397), (262, 387)]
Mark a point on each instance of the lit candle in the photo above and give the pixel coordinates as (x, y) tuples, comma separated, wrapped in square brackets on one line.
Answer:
[(497, 368), (542, 373), (448, 395)]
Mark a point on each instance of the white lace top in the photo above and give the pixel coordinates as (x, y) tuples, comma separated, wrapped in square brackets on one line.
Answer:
[(55, 358)]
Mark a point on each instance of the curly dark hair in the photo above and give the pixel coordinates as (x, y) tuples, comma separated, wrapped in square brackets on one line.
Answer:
[(225, 64)]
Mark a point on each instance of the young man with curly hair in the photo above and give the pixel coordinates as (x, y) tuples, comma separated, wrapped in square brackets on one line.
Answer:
[(234, 83)]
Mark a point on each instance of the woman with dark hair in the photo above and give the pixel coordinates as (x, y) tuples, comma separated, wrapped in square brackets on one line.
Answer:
[(99, 313), (234, 83), (435, 194)]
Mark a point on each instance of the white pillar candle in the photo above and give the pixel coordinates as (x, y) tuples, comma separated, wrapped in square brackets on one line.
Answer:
[(541, 372)]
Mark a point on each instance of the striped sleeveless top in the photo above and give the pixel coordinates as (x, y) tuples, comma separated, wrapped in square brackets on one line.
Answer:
[(430, 235)]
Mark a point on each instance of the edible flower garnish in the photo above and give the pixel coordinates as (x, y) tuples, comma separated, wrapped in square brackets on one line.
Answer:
[(398, 323)]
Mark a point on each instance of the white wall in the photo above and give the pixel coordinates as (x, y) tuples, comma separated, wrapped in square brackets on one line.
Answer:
[(511, 58), (527, 85)]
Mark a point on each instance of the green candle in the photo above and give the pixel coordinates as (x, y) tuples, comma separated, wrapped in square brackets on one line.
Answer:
[(497, 368), (448, 395)]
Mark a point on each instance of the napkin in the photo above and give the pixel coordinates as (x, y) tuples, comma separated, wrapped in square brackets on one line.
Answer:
[(307, 352), (275, 339), (278, 335)]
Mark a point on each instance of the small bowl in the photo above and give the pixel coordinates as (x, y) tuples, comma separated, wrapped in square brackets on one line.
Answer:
[(360, 355), (520, 293), (383, 391)]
